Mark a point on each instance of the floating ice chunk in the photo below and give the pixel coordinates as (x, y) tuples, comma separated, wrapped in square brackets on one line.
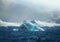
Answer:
[(15, 29)]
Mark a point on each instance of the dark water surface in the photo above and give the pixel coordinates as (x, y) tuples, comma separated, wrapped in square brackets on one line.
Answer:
[(16, 34)]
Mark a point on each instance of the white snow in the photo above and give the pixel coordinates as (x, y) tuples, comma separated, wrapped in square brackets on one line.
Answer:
[(3, 23), (46, 24)]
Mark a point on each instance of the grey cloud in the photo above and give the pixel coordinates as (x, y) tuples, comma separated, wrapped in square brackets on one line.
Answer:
[(11, 10)]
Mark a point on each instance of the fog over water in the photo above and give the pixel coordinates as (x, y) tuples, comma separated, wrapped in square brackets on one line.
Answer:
[(20, 10)]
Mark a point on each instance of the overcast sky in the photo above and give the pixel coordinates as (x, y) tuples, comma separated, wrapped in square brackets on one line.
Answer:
[(20, 10)]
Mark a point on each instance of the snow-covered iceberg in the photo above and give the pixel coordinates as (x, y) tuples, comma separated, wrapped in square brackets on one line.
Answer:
[(34, 25), (38, 25)]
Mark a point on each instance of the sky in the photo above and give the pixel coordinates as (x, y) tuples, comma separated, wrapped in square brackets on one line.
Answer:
[(20, 10)]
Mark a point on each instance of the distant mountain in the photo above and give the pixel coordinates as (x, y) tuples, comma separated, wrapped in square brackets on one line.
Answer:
[(34, 25), (3, 23)]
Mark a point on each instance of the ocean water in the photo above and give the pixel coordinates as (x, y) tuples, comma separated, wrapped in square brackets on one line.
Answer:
[(17, 34)]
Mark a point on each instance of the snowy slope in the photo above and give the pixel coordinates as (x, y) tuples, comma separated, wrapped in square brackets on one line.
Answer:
[(30, 25), (37, 25), (3, 23), (46, 24)]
